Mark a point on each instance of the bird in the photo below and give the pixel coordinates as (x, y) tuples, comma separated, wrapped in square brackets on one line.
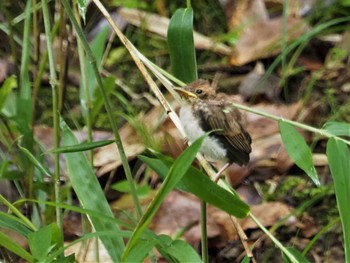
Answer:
[(205, 111)]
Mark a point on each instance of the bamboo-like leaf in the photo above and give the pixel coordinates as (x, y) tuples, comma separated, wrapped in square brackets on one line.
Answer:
[(176, 172), (197, 183), (339, 162), (81, 147), (181, 45), (298, 150), (90, 194), (337, 128)]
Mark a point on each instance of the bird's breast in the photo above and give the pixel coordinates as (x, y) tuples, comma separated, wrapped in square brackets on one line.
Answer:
[(211, 146)]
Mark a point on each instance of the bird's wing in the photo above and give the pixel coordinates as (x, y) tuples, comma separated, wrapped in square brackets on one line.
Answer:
[(226, 122)]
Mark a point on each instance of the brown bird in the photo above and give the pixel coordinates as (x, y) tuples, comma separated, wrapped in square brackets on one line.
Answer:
[(204, 112)]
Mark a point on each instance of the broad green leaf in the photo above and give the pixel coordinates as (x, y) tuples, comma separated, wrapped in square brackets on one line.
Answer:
[(297, 255), (176, 172), (177, 250), (90, 194), (85, 146), (298, 150), (40, 242), (9, 84), (197, 183), (339, 162), (9, 244), (337, 128), (181, 45)]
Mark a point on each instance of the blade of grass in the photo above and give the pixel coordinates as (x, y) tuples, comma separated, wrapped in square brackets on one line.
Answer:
[(339, 162), (81, 147)]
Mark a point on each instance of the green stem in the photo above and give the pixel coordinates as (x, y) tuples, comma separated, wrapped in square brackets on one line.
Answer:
[(84, 85), (55, 112), (277, 243), (107, 103), (204, 245), (296, 124)]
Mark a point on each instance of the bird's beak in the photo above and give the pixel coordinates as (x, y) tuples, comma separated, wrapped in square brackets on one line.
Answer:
[(185, 93)]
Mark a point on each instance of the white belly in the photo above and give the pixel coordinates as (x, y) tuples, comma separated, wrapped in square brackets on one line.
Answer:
[(211, 147)]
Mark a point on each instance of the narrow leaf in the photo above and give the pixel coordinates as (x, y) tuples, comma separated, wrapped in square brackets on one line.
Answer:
[(339, 162), (337, 128), (12, 246), (298, 150), (181, 45), (86, 146), (35, 161), (90, 194)]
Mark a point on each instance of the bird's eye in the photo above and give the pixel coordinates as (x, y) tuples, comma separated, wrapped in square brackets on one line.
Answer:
[(198, 91)]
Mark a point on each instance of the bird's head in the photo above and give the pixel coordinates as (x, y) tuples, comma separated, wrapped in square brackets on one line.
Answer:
[(197, 90)]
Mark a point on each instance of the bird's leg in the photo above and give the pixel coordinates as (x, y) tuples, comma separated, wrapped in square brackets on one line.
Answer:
[(219, 173)]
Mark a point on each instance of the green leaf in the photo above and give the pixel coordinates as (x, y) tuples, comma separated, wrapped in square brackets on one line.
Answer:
[(40, 243), (97, 47), (297, 255), (9, 84), (82, 8), (98, 102), (85, 146), (298, 150), (90, 194), (181, 45), (13, 223), (124, 187), (176, 172), (35, 161), (337, 128), (12, 246), (177, 250), (24, 101), (339, 162), (197, 183)]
